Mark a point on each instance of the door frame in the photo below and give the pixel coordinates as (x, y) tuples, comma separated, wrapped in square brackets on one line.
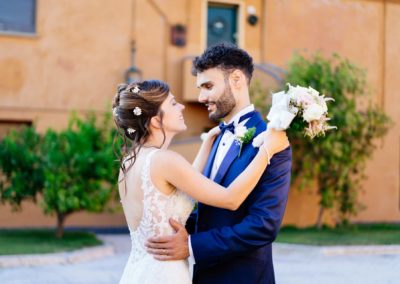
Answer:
[(240, 20)]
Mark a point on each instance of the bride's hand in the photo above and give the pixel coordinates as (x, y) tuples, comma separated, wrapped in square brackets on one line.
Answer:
[(213, 132), (275, 141)]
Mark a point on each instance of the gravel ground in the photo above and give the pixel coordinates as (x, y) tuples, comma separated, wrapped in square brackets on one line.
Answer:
[(293, 264)]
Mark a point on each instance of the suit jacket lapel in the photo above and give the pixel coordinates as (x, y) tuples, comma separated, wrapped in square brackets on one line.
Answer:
[(254, 120), (211, 157), (230, 156), (233, 151)]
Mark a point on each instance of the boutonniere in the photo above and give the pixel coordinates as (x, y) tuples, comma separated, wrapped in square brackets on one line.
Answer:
[(243, 135)]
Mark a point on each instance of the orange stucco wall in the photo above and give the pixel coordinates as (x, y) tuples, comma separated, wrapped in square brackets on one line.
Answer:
[(368, 33)]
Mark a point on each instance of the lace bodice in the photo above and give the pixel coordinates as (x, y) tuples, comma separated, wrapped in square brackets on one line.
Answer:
[(158, 208)]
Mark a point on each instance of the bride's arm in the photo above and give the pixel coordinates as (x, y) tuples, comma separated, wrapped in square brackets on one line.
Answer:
[(186, 178), (205, 148)]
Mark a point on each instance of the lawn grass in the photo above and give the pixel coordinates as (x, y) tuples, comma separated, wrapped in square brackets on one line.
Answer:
[(374, 234), (36, 241)]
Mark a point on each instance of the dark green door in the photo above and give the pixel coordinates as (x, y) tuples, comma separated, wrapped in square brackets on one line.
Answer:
[(222, 24)]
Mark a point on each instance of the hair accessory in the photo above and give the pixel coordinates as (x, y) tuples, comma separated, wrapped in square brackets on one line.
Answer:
[(115, 112), (137, 111), (131, 130), (136, 90)]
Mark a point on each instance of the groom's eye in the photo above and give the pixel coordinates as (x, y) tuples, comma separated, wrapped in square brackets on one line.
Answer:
[(208, 86)]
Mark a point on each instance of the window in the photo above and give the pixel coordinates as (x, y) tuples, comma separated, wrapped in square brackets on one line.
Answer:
[(7, 126), (222, 24), (17, 16)]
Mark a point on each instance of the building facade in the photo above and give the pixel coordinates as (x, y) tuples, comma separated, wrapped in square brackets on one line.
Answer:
[(58, 56)]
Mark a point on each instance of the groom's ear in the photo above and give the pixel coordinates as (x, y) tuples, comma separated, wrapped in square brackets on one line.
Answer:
[(237, 79)]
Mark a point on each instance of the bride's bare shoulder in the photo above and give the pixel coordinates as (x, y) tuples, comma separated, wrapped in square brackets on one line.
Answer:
[(168, 158)]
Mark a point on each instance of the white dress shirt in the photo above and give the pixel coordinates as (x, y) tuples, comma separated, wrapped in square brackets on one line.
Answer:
[(226, 141)]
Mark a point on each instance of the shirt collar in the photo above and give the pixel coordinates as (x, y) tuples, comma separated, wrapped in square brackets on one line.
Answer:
[(242, 112)]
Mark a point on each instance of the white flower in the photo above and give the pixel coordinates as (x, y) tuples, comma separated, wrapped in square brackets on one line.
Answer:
[(313, 112), (312, 92), (137, 111), (240, 131), (131, 131), (136, 90)]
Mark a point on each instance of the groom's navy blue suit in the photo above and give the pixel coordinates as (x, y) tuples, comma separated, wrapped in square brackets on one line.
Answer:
[(235, 246)]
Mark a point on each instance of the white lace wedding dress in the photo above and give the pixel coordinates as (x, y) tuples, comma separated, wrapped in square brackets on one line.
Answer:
[(157, 209)]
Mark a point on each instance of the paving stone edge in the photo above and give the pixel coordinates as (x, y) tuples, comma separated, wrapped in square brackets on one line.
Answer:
[(81, 255)]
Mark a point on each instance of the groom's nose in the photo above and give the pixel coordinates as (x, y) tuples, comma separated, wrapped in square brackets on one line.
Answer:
[(203, 98)]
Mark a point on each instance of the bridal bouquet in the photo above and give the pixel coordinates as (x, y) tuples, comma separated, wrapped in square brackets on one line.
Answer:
[(304, 103)]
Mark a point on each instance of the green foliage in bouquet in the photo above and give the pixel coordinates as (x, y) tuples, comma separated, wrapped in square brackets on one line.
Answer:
[(73, 170), (336, 161)]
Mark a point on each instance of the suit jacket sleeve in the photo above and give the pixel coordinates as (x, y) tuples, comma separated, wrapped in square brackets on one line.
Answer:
[(191, 222), (259, 228)]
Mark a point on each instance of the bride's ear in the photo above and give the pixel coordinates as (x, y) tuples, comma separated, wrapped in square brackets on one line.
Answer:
[(155, 122)]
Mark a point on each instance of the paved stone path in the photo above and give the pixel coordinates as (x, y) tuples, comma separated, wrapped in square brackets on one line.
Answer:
[(293, 264)]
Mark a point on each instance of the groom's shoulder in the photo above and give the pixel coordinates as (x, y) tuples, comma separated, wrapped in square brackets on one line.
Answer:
[(260, 126)]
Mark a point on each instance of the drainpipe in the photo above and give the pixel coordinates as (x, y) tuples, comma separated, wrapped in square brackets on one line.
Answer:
[(383, 56)]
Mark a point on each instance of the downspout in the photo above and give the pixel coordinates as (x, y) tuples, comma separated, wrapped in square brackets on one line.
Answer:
[(383, 56)]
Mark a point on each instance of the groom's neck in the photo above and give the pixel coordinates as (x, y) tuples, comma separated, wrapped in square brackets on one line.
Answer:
[(240, 105)]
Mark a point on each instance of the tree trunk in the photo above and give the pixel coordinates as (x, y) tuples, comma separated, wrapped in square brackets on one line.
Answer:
[(60, 225), (320, 214)]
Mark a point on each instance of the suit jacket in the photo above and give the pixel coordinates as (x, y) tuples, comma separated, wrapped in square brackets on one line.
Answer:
[(235, 246)]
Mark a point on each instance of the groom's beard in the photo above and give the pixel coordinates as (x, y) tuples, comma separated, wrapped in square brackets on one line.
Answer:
[(224, 105)]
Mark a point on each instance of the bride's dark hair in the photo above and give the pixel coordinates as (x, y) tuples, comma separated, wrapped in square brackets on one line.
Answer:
[(133, 107)]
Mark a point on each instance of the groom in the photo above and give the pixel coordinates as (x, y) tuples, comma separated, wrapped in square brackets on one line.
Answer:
[(231, 246)]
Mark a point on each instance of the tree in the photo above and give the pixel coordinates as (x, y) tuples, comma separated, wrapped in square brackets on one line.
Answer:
[(337, 161), (78, 169), (21, 172), (71, 170)]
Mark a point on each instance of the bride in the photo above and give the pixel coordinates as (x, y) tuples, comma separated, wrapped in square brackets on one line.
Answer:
[(156, 184)]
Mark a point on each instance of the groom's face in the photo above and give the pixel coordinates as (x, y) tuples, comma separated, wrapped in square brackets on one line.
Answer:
[(215, 93)]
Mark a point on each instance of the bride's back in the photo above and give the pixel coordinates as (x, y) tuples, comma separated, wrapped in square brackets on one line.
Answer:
[(130, 191), (148, 204)]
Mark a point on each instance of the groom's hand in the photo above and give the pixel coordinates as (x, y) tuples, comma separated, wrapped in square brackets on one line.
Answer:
[(173, 247)]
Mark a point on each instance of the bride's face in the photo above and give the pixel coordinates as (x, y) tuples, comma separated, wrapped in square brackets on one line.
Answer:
[(173, 120)]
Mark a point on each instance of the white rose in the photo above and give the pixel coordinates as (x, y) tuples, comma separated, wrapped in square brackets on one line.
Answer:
[(240, 131), (313, 112), (323, 105), (312, 92)]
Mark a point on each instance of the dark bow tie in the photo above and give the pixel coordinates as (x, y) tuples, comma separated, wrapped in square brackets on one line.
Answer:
[(231, 127), (224, 127)]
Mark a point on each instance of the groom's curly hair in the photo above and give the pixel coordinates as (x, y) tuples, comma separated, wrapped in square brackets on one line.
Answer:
[(226, 57)]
